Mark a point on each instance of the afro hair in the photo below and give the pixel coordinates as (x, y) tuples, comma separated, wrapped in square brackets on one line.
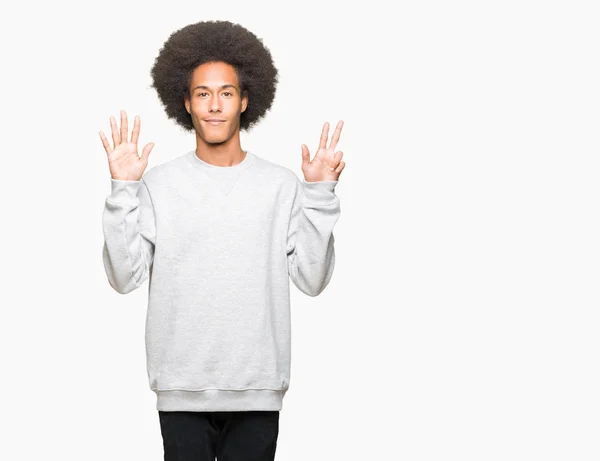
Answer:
[(210, 41)]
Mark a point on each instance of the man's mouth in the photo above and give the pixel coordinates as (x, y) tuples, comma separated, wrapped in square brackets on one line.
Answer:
[(214, 122)]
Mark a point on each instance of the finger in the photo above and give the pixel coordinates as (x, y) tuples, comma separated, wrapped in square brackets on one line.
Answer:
[(336, 135), (147, 149), (340, 167), (115, 132), (124, 130), (324, 136), (336, 160), (305, 154), (135, 134), (105, 143)]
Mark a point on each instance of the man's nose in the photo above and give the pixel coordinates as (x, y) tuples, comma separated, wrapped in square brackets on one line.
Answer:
[(215, 104)]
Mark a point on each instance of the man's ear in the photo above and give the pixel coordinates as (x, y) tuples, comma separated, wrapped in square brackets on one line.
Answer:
[(244, 101)]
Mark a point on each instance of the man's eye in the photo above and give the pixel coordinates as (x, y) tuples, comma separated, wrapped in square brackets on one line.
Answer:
[(226, 93)]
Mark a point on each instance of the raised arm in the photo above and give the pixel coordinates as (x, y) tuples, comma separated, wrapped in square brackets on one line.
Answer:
[(128, 220), (316, 209)]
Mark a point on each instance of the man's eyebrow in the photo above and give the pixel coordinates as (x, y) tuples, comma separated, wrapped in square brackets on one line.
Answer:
[(204, 87)]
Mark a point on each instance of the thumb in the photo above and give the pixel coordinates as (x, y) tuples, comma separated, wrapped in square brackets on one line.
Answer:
[(305, 154), (147, 149)]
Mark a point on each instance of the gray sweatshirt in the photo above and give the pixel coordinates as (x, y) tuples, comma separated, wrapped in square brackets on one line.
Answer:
[(219, 245)]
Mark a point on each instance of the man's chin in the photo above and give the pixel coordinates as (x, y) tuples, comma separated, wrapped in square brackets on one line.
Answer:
[(215, 142)]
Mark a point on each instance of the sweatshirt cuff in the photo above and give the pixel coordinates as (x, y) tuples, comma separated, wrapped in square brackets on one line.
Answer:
[(124, 191), (320, 192)]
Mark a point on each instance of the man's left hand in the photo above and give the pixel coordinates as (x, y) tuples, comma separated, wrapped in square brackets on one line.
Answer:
[(326, 165)]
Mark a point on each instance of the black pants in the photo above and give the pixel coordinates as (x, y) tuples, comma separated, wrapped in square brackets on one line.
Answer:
[(228, 435)]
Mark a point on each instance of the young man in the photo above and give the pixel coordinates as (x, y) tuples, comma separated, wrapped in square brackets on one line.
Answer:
[(219, 232)]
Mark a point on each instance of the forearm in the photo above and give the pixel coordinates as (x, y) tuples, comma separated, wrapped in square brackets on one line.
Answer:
[(128, 229), (312, 261)]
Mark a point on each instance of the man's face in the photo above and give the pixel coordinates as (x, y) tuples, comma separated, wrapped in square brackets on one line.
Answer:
[(215, 94)]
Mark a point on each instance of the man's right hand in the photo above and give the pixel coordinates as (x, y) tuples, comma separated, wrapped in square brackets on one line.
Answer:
[(124, 162)]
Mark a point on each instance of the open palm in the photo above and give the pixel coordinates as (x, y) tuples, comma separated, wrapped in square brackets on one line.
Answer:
[(124, 162)]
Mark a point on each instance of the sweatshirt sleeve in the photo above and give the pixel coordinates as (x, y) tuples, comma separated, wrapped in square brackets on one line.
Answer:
[(128, 223), (310, 241)]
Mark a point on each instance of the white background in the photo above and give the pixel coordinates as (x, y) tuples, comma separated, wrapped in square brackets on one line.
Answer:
[(462, 318)]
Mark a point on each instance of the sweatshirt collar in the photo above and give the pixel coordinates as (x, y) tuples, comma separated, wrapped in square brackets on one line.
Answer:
[(245, 163)]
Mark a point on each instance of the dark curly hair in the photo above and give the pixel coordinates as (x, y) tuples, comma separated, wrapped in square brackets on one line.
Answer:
[(211, 41)]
